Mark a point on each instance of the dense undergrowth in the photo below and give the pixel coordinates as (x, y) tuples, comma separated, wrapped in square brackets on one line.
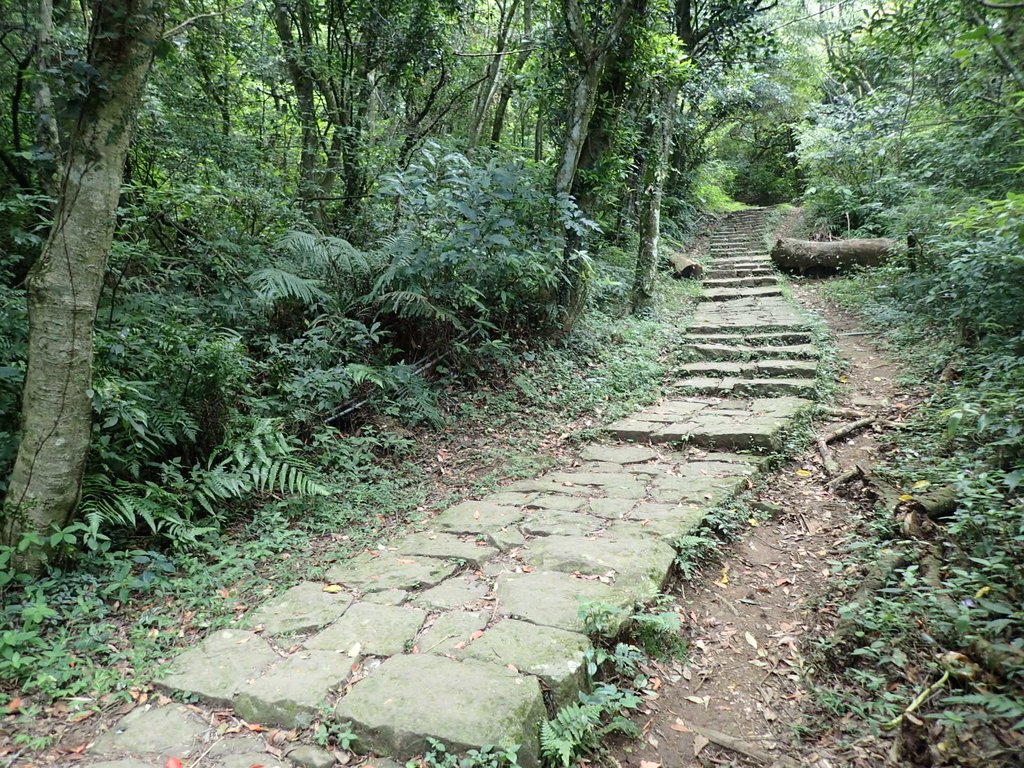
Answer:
[(953, 604)]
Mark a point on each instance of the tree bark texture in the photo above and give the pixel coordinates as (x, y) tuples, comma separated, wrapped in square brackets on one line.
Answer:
[(827, 257), (650, 206), (65, 283)]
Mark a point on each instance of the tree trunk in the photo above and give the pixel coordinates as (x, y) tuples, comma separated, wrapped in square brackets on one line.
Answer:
[(827, 257), (492, 80), (650, 216), (508, 86), (65, 283), (304, 85)]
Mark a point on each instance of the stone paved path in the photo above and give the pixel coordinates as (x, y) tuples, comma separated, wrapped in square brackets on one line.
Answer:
[(469, 631)]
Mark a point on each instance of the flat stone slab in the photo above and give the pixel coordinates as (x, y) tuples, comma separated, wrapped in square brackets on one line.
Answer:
[(728, 294), (639, 565), (446, 546), (767, 339), (553, 522), (555, 656), (379, 574), (169, 731), (667, 521), (718, 424), (249, 759), (611, 509), (557, 501), (619, 454), (455, 592), (370, 629), (452, 631), (475, 516), (746, 352), (303, 608), (290, 693), (464, 705), (553, 599), (218, 668)]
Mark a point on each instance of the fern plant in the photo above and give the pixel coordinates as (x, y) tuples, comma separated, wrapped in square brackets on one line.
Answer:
[(257, 459), (579, 728)]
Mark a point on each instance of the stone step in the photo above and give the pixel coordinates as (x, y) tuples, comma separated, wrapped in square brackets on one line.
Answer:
[(733, 425), (769, 368), (733, 262), (725, 294), (718, 274), (741, 282), (739, 339), (729, 386), (741, 351)]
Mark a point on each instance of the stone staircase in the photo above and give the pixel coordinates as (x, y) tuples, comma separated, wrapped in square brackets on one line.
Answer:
[(470, 630)]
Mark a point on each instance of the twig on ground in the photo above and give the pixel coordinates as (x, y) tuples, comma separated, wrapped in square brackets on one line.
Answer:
[(917, 702), (848, 429), (845, 477), (742, 747), (827, 459)]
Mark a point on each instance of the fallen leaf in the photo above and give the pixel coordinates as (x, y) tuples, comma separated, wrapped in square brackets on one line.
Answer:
[(679, 726), (751, 640), (173, 762), (804, 472), (699, 742), (15, 704), (333, 588), (905, 497), (649, 764), (724, 578)]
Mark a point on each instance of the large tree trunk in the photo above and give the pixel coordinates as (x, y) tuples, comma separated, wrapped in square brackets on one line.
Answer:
[(653, 189), (832, 256), (65, 283)]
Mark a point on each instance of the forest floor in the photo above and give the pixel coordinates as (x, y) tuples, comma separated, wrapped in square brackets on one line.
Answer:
[(757, 616)]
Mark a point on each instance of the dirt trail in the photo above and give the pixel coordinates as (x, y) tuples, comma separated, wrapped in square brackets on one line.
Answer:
[(753, 618)]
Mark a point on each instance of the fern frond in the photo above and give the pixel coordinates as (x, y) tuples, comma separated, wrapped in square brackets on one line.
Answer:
[(273, 283)]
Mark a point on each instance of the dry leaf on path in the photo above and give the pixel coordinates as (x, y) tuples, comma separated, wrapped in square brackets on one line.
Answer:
[(699, 742), (751, 640), (649, 764)]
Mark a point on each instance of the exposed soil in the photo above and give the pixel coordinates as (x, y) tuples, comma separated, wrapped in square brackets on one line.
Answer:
[(754, 618)]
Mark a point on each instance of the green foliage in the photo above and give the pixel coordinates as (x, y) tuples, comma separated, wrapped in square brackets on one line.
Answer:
[(578, 728), (475, 254), (438, 756)]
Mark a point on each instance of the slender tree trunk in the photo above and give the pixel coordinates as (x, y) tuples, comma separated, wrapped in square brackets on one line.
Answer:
[(64, 285), (304, 86), (653, 190), (493, 77), (505, 95)]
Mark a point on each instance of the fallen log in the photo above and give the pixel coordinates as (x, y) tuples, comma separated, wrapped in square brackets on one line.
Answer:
[(829, 256), (683, 266)]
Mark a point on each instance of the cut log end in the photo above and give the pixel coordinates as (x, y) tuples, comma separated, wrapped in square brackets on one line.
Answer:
[(685, 267)]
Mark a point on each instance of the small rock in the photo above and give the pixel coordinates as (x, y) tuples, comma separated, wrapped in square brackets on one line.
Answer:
[(308, 756)]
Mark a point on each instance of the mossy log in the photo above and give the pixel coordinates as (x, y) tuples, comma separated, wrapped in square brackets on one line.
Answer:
[(683, 266), (832, 256)]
